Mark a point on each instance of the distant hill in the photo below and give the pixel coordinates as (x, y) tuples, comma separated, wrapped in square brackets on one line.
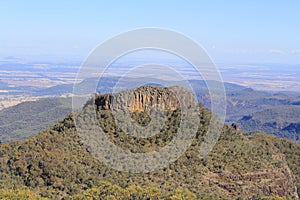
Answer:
[(260, 110), (57, 164), (241, 102), (28, 118), (107, 84), (282, 121), (247, 101)]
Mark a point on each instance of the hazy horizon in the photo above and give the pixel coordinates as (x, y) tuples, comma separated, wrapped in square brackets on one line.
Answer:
[(231, 32)]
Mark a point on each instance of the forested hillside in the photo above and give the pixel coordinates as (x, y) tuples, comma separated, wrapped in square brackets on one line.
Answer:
[(57, 164)]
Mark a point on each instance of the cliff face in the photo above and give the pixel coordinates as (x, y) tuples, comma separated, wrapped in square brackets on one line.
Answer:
[(141, 99)]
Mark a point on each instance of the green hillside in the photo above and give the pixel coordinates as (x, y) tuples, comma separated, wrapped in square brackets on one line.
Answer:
[(56, 164), (29, 118)]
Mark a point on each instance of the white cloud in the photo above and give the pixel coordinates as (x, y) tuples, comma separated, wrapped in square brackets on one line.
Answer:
[(276, 51), (284, 53)]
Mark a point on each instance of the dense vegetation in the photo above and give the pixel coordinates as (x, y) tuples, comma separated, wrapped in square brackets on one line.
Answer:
[(19, 195), (57, 164), (29, 118)]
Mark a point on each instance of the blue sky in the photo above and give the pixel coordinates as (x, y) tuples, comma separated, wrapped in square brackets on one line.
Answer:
[(231, 31)]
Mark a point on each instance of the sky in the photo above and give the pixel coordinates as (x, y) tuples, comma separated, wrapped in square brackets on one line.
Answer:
[(239, 32)]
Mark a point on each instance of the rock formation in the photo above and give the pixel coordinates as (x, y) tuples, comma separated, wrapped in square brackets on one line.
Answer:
[(141, 99)]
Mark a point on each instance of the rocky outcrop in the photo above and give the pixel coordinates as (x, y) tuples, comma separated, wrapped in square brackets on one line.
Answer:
[(141, 99)]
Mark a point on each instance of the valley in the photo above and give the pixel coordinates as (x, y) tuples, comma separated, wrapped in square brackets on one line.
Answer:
[(252, 109)]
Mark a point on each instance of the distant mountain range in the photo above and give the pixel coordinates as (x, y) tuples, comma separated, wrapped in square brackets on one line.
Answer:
[(282, 121), (253, 110)]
